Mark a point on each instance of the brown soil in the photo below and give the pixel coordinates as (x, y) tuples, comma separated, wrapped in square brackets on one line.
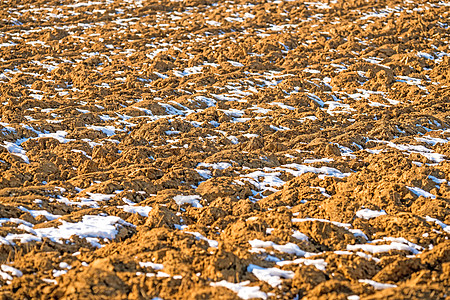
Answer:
[(222, 150)]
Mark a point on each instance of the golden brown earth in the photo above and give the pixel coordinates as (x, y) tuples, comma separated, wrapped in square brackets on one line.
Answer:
[(224, 149)]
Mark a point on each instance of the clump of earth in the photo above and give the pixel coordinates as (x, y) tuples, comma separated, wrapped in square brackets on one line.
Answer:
[(224, 150)]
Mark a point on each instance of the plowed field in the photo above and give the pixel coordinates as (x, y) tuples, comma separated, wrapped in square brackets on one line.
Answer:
[(224, 149)]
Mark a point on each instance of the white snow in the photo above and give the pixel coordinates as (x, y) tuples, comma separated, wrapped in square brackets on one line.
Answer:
[(211, 243), (242, 290), (312, 118), (307, 70), (428, 153), (82, 152), (358, 232), (213, 23), (16, 150), (91, 226), (425, 55), (320, 264), (141, 210), (108, 130), (382, 248), (15, 220), (13, 271), (7, 128), (431, 140), (264, 180), (208, 101), (312, 161), (289, 248), (215, 166), (299, 236), (154, 266), (344, 225), (188, 71), (270, 275), (235, 63), (91, 200), (398, 240), (369, 214), (444, 226), (204, 173), (57, 273), (419, 192), (22, 238), (377, 285), (279, 128), (50, 281), (9, 44), (5, 276), (360, 254), (58, 135), (260, 110), (297, 170), (437, 180), (35, 213), (235, 113), (190, 199)]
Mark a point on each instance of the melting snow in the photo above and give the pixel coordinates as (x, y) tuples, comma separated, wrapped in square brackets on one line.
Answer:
[(320, 264), (108, 130), (369, 214), (91, 226), (419, 192), (16, 150), (191, 199), (289, 248), (35, 213), (154, 266), (215, 166), (141, 210), (212, 243), (382, 248), (242, 290), (377, 285), (444, 226), (270, 275)]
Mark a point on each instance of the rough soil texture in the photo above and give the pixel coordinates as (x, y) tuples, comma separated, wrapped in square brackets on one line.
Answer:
[(224, 149)]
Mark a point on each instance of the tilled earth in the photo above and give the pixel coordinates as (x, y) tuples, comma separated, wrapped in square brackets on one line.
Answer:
[(224, 149)]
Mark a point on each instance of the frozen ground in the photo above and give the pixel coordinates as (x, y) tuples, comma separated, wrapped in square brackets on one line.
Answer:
[(201, 149)]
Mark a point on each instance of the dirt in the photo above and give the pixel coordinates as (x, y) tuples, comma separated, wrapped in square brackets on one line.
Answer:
[(224, 150)]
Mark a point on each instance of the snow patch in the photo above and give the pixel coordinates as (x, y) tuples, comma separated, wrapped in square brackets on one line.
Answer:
[(369, 214), (190, 199), (242, 290), (270, 275)]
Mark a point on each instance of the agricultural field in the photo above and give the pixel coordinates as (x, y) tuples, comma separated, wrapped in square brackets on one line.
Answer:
[(205, 149)]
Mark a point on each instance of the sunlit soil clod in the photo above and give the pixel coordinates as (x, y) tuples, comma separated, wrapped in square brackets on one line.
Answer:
[(224, 150)]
